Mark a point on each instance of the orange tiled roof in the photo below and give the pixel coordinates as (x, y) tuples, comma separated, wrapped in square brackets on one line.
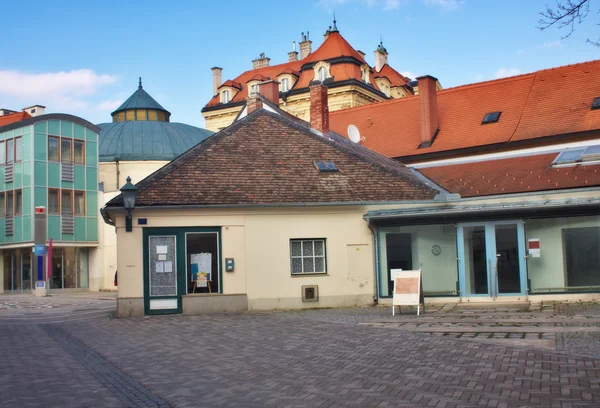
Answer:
[(13, 117), (334, 46), (543, 103), (233, 84), (396, 78), (512, 175)]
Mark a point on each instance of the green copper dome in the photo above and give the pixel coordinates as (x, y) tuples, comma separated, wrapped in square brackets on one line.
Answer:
[(140, 106)]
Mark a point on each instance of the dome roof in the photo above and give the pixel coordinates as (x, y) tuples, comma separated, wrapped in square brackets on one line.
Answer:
[(140, 99), (147, 140)]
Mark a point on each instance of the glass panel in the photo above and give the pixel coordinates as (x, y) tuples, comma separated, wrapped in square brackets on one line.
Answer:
[(507, 259), (65, 150), (79, 154), (53, 202), (569, 156), (82, 268), (296, 265), (66, 203), (2, 153), (79, 203), (18, 202), (52, 149), (399, 256), (296, 248), (309, 265), (475, 261), (18, 149), (319, 264), (70, 275), (2, 207), (202, 257), (307, 248), (582, 256), (9, 204), (57, 267), (163, 266), (319, 248), (26, 271), (10, 153)]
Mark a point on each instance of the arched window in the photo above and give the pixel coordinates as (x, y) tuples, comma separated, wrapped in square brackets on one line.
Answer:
[(225, 97), (285, 85), (322, 74)]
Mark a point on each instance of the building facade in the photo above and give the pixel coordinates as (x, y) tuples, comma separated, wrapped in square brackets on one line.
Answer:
[(51, 161)]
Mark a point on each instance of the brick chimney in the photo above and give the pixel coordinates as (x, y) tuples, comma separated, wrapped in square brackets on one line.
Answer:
[(428, 109), (305, 46), (293, 55), (253, 103), (217, 79), (261, 61), (270, 91), (319, 110)]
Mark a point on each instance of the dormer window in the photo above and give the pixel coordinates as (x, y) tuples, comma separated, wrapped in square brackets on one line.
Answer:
[(365, 74), (254, 89), (285, 85), (322, 74), (225, 96), (491, 117)]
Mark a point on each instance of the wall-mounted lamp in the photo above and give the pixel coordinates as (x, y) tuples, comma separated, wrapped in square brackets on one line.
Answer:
[(129, 192)]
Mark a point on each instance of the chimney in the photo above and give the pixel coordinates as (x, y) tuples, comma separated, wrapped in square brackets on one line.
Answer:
[(35, 110), (319, 110), (261, 61), (381, 57), (362, 54), (293, 55), (217, 79), (305, 46), (428, 109), (270, 91), (254, 102)]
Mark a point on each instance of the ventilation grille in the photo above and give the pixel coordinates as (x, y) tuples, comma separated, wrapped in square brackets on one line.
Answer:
[(68, 224), (67, 172), (9, 172), (9, 228), (310, 293)]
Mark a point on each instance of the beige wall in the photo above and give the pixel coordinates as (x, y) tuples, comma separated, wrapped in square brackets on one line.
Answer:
[(114, 174)]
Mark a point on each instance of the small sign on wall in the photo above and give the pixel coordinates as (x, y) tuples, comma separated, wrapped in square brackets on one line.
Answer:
[(533, 246)]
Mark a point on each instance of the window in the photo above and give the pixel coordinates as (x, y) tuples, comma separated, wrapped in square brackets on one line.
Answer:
[(53, 206), (10, 150), (53, 154), (307, 256), (596, 103), (79, 152), (579, 155), (65, 151), (322, 74), (18, 149), (79, 203), (285, 85), (2, 205), (18, 202), (253, 89), (326, 166), (2, 153), (65, 202), (225, 97), (387, 91), (491, 117), (9, 203)]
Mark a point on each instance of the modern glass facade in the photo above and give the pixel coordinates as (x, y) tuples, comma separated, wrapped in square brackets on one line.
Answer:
[(492, 259)]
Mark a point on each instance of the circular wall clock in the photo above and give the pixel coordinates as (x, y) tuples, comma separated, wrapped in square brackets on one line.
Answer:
[(436, 250)]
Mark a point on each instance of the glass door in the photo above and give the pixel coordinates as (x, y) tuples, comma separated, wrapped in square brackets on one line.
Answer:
[(492, 259), (163, 294)]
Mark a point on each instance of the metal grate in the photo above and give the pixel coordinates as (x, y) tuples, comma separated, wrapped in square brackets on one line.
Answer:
[(68, 224), (9, 172), (67, 172), (310, 293), (9, 226)]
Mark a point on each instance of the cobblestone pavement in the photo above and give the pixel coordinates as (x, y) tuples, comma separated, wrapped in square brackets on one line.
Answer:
[(316, 358)]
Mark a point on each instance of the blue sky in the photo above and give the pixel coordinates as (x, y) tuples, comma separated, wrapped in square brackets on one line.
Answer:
[(84, 58)]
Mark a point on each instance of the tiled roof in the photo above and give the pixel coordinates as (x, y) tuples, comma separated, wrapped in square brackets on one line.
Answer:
[(267, 158), (13, 117), (396, 78), (233, 84), (512, 175), (334, 46), (544, 103)]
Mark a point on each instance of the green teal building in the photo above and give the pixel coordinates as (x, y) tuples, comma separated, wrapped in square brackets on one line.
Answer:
[(51, 161)]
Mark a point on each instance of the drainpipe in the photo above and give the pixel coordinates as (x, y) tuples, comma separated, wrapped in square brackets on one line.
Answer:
[(375, 262), (118, 173)]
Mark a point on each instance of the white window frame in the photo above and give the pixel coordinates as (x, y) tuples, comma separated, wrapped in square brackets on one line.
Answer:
[(322, 73), (313, 256), (285, 85), (225, 96)]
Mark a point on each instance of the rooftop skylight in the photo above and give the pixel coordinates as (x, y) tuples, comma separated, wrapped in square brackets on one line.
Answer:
[(326, 166), (491, 117), (596, 103), (579, 155)]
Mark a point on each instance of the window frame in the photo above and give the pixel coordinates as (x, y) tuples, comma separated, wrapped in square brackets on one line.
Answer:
[(18, 209), (62, 207), (225, 96), (2, 204), (17, 140), (2, 152), (66, 139), (10, 147), (75, 213), (58, 148), (491, 117), (285, 85), (313, 256), (323, 70), (58, 196), (75, 141), (10, 200)]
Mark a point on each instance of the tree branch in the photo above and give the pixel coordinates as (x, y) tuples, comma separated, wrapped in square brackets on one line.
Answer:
[(566, 14)]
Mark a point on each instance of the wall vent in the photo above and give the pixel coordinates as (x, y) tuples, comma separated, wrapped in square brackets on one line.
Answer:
[(68, 224), (9, 225), (67, 171), (9, 172), (310, 293)]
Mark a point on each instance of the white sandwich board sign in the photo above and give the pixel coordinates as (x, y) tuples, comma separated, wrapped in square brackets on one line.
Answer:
[(408, 289)]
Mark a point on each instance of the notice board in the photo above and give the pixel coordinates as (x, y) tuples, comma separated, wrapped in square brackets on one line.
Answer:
[(408, 289)]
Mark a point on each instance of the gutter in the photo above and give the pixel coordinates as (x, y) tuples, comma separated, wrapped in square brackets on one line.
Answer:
[(106, 216)]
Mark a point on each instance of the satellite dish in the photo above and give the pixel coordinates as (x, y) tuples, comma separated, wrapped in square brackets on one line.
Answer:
[(353, 133)]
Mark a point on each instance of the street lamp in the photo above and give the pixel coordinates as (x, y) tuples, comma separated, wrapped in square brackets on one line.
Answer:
[(129, 192)]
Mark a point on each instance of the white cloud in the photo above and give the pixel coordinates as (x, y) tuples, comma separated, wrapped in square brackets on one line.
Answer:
[(109, 104), (64, 90), (444, 4), (408, 74), (506, 72), (553, 44)]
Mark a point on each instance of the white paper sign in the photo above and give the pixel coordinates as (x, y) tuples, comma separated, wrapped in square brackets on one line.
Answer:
[(162, 257), (161, 249), (168, 266), (160, 267), (393, 273), (204, 261)]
